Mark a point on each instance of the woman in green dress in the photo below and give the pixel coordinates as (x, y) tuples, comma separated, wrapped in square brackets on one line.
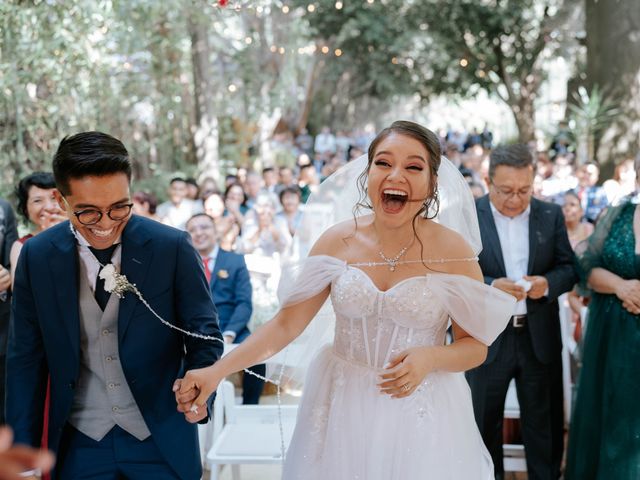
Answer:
[(604, 440)]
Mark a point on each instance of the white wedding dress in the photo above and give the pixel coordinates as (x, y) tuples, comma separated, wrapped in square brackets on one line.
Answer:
[(347, 429)]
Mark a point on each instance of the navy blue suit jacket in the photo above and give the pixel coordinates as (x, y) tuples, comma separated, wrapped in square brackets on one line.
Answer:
[(231, 290), (550, 255), (44, 337)]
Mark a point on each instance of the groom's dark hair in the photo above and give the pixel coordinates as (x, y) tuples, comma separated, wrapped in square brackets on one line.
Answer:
[(89, 154)]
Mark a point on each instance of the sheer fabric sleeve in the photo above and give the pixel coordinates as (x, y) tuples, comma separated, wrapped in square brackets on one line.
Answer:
[(479, 309), (299, 282), (306, 279), (589, 252)]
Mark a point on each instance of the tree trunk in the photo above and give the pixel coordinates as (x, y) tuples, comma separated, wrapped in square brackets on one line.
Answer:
[(524, 114), (205, 135), (613, 63)]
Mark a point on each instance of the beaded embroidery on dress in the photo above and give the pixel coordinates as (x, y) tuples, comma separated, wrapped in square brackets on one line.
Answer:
[(346, 429)]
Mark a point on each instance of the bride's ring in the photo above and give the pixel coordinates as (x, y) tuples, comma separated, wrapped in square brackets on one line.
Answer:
[(406, 387)]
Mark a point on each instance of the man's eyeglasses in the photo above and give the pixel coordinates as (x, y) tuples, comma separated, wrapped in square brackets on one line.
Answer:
[(91, 216), (507, 193)]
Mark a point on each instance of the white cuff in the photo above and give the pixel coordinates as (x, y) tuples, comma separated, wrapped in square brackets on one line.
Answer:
[(229, 333)]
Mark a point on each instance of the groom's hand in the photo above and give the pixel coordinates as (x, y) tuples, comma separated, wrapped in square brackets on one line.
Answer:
[(185, 400)]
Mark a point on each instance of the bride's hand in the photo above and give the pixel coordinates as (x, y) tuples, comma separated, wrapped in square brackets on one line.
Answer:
[(405, 372), (199, 384)]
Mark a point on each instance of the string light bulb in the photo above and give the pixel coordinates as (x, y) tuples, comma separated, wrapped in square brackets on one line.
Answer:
[(339, 5), (232, 88), (285, 9), (337, 52), (311, 8), (325, 49), (464, 62)]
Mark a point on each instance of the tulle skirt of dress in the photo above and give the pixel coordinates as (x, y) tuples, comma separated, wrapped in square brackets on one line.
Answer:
[(346, 429)]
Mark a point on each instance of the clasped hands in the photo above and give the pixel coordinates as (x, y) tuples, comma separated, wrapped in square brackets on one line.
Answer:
[(193, 391), (629, 293), (539, 286), (405, 372)]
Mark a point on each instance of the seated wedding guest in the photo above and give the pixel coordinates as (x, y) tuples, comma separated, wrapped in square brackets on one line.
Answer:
[(38, 207), (179, 208), (307, 180), (207, 187), (16, 461), (290, 199), (577, 229), (262, 233), (623, 182), (145, 204), (193, 189), (226, 224), (592, 197), (235, 201), (603, 438), (231, 291)]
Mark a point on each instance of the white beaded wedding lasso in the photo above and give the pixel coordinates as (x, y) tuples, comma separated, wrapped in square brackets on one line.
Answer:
[(118, 284)]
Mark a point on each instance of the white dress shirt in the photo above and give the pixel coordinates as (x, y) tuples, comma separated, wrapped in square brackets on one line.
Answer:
[(514, 242)]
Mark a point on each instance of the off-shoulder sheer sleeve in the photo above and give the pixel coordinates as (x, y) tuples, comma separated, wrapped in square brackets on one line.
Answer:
[(479, 309), (589, 251), (299, 282), (303, 280)]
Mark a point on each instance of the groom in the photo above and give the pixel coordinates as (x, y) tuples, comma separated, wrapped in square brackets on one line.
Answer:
[(112, 364)]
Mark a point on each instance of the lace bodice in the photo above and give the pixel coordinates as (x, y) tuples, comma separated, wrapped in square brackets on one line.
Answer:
[(368, 326), (372, 326)]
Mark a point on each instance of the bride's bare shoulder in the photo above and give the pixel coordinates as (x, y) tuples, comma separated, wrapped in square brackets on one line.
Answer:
[(335, 240), (451, 247)]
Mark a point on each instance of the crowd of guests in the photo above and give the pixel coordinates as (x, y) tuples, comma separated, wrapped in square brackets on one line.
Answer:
[(245, 229)]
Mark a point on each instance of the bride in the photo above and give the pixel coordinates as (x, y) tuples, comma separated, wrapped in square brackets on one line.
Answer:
[(387, 399)]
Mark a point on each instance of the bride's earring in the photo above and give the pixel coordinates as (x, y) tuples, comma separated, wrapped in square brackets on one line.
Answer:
[(431, 203)]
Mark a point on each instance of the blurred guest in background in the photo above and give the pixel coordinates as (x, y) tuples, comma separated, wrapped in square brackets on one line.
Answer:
[(38, 207), (623, 182), (145, 204), (179, 208), (290, 199), (577, 228), (8, 236), (262, 233), (592, 197), (231, 291), (235, 201), (227, 227)]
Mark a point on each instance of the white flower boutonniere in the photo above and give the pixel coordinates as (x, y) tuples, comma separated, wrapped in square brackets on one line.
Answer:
[(115, 282), (223, 274)]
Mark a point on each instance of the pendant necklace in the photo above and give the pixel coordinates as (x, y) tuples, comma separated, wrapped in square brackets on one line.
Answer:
[(393, 262)]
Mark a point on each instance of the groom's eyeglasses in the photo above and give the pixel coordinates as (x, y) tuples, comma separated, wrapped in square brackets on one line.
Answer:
[(91, 216)]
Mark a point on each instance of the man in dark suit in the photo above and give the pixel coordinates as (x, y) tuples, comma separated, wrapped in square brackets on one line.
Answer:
[(113, 365), (231, 290), (8, 235), (526, 253)]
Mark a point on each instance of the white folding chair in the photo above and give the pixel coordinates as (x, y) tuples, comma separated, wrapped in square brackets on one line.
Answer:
[(247, 434)]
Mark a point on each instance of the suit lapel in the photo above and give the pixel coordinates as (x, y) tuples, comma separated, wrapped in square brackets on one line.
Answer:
[(219, 265), (64, 265), (491, 232), (135, 262), (534, 233)]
